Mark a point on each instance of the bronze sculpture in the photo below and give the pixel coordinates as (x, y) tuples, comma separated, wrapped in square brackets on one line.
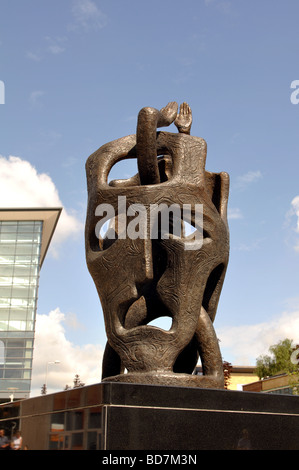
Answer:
[(143, 277)]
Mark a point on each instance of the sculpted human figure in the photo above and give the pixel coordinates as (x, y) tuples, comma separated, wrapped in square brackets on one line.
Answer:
[(142, 278)]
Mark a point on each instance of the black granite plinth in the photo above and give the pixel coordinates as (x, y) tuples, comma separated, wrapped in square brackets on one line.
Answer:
[(146, 417), (115, 416)]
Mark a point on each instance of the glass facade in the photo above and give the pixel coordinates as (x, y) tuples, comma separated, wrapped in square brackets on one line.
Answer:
[(20, 245), (76, 430)]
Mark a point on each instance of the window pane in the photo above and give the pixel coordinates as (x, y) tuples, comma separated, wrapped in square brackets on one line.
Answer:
[(74, 420), (26, 259), (17, 325), (23, 281), (13, 373), (28, 237), (57, 422), (5, 280), (6, 270), (8, 237), (7, 259), (92, 440), (8, 227), (3, 325), (17, 314), (25, 227), (4, 312), (38, 225), (23, 385), (22, 291), (16, 343), (27, 364), (23, 249), (5, 292), (30, 326), (28, 353), (77, 441), (34, 270), (22, 270), (22, 312), (4, 315), (19, 292), (20, 302), (30, 314), (2, 352), (95, 420), (7, 248)]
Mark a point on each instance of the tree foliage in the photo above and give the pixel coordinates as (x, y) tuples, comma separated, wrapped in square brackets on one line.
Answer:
[(279, 360), (77, 383)]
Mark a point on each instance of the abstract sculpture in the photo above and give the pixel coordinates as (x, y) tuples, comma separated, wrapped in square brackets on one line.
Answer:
[(151, 271)]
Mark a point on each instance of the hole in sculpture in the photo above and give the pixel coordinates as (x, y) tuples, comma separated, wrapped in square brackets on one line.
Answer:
[(106, 232), (104, 229), (164, 323), (123, 170), (211, 286)]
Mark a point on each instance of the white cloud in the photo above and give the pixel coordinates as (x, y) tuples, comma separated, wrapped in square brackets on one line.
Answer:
[(295, 206), (55, 49), (250, 246), (52, 345), (249, 177), (243, 344), (22, 186), (234, 213), (293, 232), (87, 15), (56, 45), (223, 6), (295, 211), (53, 46), (33, 56)]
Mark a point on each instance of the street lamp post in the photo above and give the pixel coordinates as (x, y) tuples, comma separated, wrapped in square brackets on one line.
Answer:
[(46, 377)]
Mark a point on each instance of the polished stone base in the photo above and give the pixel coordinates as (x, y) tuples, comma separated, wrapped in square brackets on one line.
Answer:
[(145, 417), (169, 379), (115, 416)]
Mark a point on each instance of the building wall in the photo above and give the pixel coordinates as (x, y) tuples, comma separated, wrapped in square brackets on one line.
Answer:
[(277, 384), (118, 416), (237, 380), (20, 243)]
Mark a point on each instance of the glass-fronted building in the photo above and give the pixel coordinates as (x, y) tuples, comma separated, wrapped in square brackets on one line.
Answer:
[(25, 235)]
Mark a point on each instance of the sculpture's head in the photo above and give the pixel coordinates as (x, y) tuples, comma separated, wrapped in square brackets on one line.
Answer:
[(144, 269)]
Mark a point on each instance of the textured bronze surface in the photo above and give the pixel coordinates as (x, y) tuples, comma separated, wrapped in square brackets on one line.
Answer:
[(139, 280)]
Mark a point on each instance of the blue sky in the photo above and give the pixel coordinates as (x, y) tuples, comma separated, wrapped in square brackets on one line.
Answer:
[(76, 74)]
